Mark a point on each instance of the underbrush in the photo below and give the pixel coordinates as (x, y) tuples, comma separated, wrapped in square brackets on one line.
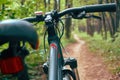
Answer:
[(109, 49)]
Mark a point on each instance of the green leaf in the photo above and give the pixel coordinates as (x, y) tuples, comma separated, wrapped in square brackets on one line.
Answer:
[(3, 1)]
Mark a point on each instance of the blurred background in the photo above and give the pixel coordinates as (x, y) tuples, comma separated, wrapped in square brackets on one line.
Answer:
[(102, 35)]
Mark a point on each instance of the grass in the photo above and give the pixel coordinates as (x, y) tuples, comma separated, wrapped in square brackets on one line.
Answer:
[(66, 41)]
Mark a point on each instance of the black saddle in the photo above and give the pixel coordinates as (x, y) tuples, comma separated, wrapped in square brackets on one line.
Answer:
[(18, 30)]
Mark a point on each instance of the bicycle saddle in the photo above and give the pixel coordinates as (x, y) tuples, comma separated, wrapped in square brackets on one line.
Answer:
[(18, 30)]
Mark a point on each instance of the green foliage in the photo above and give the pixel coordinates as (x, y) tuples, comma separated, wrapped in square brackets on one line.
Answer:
[(4, 2), (66, 41), (83, 2), (14, 9), (36, 58)]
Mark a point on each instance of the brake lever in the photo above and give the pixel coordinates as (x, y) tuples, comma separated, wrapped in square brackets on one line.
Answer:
[(93, 16), (78, 15)]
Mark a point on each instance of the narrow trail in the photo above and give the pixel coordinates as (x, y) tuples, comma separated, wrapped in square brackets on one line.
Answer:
[(90, 66)]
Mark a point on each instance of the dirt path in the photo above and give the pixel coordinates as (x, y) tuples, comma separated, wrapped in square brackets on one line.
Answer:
[(90, 66)]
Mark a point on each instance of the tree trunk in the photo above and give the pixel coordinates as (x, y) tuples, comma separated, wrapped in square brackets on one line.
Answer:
[(90, 27), (59, 5), (99, 25), (109, 26), (55, 5), (104, 24), (45, 4), (113, 23), (49, 5), (3, 8), (68, 20), (113, 20), (118, 14)]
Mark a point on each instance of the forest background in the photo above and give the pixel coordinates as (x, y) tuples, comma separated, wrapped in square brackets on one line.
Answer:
[(102, 35)]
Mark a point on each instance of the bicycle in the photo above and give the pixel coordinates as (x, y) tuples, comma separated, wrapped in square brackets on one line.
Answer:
[(54, 67)]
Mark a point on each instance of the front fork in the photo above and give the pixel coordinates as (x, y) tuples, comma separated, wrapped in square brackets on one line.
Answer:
[(72, 62)]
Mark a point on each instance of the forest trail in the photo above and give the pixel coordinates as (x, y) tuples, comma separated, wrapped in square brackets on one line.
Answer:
[(90, 65)]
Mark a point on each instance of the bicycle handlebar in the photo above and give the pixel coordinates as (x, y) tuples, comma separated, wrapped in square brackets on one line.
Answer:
[(111, 7), (33, 19)]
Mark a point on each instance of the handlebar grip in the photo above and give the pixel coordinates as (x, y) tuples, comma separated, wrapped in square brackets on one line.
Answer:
[(30, 19), (111, 7), (34, 19)]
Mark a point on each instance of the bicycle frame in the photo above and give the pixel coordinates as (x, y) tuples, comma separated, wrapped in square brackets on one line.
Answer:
[(56, 61), (55, 56)]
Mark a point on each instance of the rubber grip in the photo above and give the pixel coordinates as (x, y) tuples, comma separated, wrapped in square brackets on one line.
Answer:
[(111, 7)]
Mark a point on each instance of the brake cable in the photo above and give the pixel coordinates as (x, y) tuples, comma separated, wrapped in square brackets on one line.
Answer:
[(63, 27), (44, 40)]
